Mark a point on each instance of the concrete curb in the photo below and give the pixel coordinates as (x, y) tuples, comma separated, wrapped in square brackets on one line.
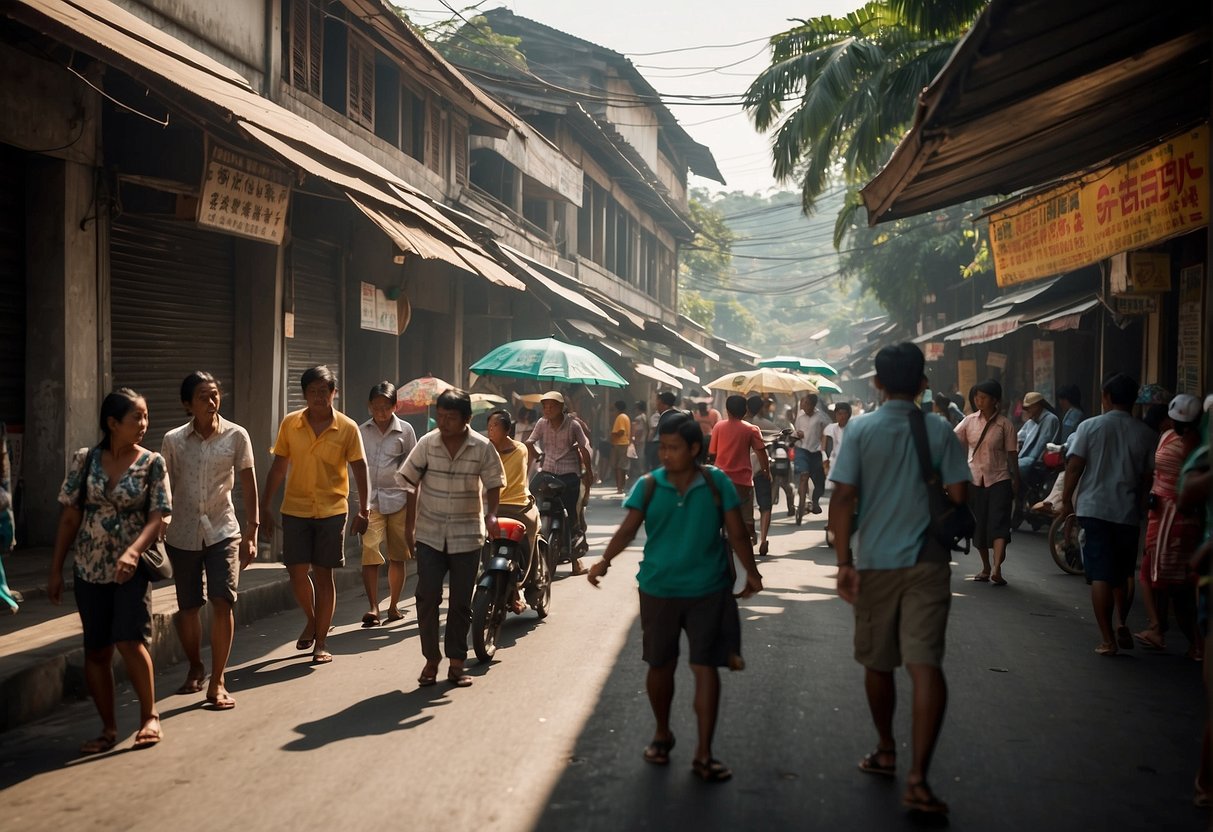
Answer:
[(39, 680)]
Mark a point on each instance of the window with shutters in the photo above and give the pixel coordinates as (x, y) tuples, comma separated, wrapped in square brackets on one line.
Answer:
[(459, 150), (360, 99), (306, 45), (435, 147), (412, 123)]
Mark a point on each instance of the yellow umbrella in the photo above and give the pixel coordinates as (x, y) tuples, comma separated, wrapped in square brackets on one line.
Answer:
[(763, 380)]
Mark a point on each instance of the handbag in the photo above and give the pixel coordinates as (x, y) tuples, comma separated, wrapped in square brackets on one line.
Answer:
[(631, 452), (950, 523), (154, 560)]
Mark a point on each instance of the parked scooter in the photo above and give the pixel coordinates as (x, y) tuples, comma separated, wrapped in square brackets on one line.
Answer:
[(506, 565), (1036, 485)]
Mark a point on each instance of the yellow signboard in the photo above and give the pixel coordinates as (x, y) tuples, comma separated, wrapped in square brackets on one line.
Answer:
[(1158, 194)]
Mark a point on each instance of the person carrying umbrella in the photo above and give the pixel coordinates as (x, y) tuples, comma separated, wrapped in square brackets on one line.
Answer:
[(565, 453)]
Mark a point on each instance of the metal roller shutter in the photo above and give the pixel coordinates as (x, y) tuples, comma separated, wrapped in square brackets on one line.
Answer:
[(12, 288), (172, 311), (316, 283)]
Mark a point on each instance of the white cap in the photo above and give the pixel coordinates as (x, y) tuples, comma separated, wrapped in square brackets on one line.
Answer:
[(552, 396), (1184, 408)]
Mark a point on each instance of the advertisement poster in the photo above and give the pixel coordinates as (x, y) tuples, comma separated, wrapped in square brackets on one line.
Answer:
[(243, 196), (377, 312), (1042, 369), (1190, 336), (966, 377)]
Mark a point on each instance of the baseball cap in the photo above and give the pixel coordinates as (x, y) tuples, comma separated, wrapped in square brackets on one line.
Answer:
[(552, 396), (1184, 408), (1032, 398)]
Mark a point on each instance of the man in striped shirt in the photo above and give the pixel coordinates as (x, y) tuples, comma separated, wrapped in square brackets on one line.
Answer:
[(458, 476)]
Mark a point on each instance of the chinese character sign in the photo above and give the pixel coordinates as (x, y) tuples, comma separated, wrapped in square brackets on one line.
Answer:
[(243, 196), (1191, 338), (1042, 368), (1156, 195)]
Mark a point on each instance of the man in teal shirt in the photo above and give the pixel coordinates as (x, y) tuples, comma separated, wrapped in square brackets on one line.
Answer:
[(900, 588), (686, 582)]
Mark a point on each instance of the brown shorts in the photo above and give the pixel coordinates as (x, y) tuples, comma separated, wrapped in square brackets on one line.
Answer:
[(319, 541), (221, 564), (380, 528), (745, 494), (712, 623), (901, 615), (619, 458)]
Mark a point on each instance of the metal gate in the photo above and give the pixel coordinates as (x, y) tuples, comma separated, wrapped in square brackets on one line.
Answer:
[(316, 287), (172, 311), (12, 288)]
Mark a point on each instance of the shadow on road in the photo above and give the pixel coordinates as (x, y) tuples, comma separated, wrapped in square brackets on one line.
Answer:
[(383, 714)]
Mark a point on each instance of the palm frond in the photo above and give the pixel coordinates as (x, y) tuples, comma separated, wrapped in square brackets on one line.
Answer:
[(938, 18), (851, 205)]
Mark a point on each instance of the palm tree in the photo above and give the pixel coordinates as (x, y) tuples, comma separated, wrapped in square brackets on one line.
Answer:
[(852, 84)]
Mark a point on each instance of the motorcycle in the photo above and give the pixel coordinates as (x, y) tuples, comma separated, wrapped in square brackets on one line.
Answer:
[(555, 524), (779, 452), (1037, 483), (506, 564)]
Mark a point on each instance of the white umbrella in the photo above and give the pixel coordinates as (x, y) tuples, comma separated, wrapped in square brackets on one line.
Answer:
[(763, 380)]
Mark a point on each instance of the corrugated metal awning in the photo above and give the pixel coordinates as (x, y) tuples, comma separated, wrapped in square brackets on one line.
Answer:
[(649, 371), (676, 340), (675, 371)]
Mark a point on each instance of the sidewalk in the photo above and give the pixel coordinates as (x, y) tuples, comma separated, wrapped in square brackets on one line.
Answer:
[(41, 656)]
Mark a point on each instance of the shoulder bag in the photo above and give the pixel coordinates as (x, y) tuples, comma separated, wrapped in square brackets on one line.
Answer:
[(950, 523)]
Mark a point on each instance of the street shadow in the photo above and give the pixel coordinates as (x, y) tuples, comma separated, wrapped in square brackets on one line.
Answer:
[(383, 714)]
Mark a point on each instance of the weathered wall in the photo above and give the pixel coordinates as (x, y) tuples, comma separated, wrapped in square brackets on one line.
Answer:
[(232, 32)]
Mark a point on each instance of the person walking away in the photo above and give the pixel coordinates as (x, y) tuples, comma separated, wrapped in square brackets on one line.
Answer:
[(1114, 455), (664, 404), (706, 417), (686, 584), (1172, 535), (457, 476), (640, 436), (1040, 428), (203, 458), (621, 440), (782, 483), (763, 479), (515, 502), (316, 447), (810, 428), (990, 440), (1069, 399), (832, 436), (564, 453), (898, 580), (114, 499), (945, 407), (733, 440), (386, 440)]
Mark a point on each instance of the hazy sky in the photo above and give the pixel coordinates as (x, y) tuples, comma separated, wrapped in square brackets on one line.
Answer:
[(640, 26)]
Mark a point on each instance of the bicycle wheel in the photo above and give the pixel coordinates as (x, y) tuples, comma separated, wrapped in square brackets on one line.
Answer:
[(1064, 545)]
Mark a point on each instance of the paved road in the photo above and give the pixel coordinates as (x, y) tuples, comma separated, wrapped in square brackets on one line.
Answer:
[(1042, 734)]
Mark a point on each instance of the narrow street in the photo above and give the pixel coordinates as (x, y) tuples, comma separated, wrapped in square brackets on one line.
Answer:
[(550, 735)]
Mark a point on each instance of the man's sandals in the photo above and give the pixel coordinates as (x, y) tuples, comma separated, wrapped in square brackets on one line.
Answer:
[(658, 751), (711, 771), (919, 798), (871, 763)]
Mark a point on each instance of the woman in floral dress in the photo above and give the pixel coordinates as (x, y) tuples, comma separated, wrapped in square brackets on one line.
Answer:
[(114, 499)]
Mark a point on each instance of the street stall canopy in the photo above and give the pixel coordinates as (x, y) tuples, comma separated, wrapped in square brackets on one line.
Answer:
[(649, 371), (1038, 90)]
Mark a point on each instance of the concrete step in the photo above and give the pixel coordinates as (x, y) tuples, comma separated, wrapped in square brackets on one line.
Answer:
[(42, 656)]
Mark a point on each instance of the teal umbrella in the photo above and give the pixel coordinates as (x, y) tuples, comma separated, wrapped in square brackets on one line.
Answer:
[(795, 362), (546, 359)]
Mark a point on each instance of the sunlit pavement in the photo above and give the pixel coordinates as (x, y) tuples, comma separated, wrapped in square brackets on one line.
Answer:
[(1041, 733)]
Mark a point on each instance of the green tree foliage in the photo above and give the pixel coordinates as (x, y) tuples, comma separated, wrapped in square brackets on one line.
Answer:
[(709, 256), (467, 40), (841, 91), (696, 307)]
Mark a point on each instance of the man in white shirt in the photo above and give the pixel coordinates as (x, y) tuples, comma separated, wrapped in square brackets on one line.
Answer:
[(832, 436), (387, 441), (810, 428), (203, 458)]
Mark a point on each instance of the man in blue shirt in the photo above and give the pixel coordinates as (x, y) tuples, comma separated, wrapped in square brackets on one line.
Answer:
[(1117, 453), (1039, 429), (685, 582), (1069, 399), (901, 586)]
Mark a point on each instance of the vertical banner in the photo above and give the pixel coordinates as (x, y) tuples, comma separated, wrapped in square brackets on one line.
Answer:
[(966, 377), (1190, 336), (1042, 369)]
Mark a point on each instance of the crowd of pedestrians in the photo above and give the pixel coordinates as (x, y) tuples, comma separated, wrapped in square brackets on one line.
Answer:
[(434, 500)]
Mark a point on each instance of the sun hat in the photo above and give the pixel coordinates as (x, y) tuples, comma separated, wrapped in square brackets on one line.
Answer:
[(1032, 398), (552, 396), (1184, 408)]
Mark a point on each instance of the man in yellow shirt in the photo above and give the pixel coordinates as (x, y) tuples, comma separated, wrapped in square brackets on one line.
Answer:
[(621, 439), (315, 445)]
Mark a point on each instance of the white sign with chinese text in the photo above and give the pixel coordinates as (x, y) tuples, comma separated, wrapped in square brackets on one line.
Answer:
[(244, 196)]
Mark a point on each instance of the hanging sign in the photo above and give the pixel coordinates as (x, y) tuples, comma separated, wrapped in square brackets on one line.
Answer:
[(934, 350), (1190, 335), (1158, 194), (379, 313), (1042, 368), (997, 360), (243, 196)]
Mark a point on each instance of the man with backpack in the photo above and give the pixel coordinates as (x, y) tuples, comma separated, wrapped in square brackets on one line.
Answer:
[(686, 583), (899, 580)]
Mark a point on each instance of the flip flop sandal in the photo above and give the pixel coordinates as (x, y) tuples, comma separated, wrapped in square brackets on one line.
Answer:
[(305, 643), (1149, 640), (459, 680), (223, 702), (394, 615), (1000, 581), (99, 745), (192, 686), (869, 764), (424, 681), (370, 620), (658, 752), (981, 579), (146, 738), (322, 657), (1124, 638), (919, 798), (711, 771)]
